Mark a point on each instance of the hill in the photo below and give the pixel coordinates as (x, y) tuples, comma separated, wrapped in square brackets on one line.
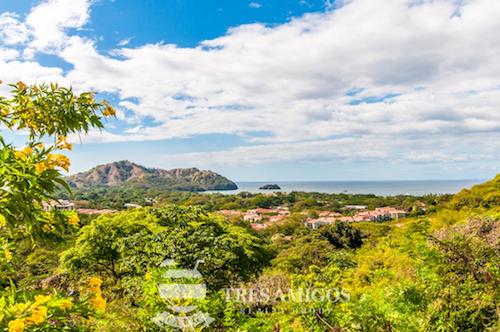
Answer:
[(484, 195), (129, 174)]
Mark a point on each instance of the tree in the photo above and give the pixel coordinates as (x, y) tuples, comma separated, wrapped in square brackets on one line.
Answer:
[(343, 236), (129, 244), (303, 252), (29, 178)]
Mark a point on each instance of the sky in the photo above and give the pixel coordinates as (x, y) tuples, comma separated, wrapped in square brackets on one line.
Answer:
[(289, 90)]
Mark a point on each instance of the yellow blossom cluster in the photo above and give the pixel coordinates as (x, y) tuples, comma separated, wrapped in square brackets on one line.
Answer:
[(16, 325), (7, 254), (24, 153), (21, 86), (73, 219), (109, 111), (38, 310), (63, 144), (97, 301), (53, 160)]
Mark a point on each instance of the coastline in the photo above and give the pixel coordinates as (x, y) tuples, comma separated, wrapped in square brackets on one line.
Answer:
[(381, 188)]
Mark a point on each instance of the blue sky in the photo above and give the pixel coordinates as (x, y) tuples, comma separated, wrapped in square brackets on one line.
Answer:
[(273, 90)]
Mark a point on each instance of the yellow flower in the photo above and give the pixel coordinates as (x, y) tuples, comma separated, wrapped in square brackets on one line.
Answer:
[(65, 304), (21, 86), (41, 299), (16, 325), (19, 154), (95, 284), (66, 146), (63, 144), (19, 308), (27, 151), (41, 167), (58, 160), (3, 221), (38, 315), (23, 153), (98, 302), (7, 254), (73, 220), (109, 111)]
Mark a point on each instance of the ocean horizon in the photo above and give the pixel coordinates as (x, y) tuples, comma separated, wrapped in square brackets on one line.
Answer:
[(382, 188)]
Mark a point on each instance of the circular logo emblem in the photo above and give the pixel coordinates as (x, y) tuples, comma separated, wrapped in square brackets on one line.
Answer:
[(181, 289)]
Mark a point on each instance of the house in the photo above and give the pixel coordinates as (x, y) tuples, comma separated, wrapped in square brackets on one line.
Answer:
[(266, 211), (356, 207), (316, 223), (60, 205), (252, 215), (283, 211), (393, 213), (132, 206), (258, 227), (370, 216), (345, 219), (273, 215), (380, 214), (277, 219)]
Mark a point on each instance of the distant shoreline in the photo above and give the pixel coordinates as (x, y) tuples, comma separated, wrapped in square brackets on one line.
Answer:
[(384, 188)]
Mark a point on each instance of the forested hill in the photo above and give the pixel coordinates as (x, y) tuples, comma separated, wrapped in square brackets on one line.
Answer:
[(484, 195), (130, 174)]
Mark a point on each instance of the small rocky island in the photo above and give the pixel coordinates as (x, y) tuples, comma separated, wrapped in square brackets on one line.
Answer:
[(270, 187)]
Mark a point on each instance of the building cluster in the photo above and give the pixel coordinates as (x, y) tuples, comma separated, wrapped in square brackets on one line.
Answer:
[(263, 218), (65, 205), (60, 205), (259, 218), (379, 214)]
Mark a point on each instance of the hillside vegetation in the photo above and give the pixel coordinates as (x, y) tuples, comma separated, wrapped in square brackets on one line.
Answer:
[(132, 175), (433, 272), (482, 195)]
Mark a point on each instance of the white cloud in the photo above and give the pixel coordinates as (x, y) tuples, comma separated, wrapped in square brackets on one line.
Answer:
[(254, 5), (292, 81), (359, 149), (124, 42), (48, 23), (12, 31)]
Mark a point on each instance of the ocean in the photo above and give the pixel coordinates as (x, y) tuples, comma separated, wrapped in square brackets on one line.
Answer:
[(383, 188)]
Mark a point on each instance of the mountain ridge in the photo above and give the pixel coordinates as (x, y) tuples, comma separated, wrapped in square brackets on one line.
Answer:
[(125, 172)]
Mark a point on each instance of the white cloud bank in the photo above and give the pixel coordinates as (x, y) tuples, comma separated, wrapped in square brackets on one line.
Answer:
[(315, 85)]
